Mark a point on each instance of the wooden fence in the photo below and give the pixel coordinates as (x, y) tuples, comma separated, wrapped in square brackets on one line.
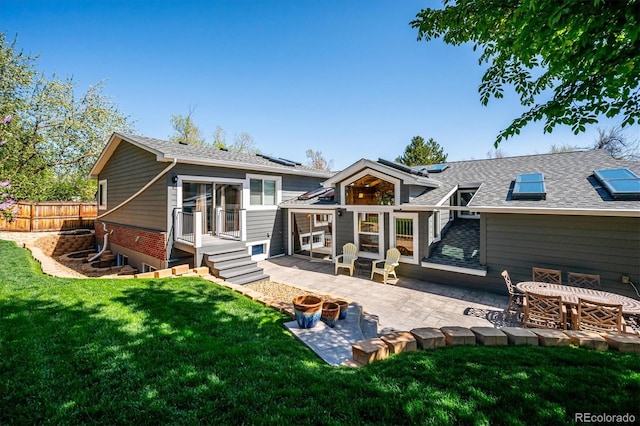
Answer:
[(51, 216)]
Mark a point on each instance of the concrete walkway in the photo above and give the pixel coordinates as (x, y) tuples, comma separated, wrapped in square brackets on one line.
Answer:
[(402, 304)]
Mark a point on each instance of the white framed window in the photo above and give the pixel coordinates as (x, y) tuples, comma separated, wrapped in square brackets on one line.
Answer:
[(122, 260), (259, 250), (368, 234), (320, 220), (404, 235), (435, 226), (102, 194), (316, 237), (464, 197), (370, 187), (263, 191), (147, 268)]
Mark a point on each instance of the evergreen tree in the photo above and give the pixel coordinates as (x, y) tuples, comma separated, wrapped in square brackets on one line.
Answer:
[(420, 153)]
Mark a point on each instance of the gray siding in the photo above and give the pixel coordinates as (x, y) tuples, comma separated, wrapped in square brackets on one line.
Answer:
[(260, 224), (344, 230), (608, 246), (128, 170), (279, 234)]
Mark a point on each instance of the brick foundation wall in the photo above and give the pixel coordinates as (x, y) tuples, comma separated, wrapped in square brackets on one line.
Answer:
[(146, 242)]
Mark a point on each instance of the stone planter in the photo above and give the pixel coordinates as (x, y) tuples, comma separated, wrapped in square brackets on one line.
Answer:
[(307, 310), (344, 306), (330, 313)]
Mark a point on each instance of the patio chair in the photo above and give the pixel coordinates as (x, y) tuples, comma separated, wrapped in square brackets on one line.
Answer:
[(592, 315), (389, 266), (347, 258), (542, 311), (584, 280), (551, 276), (516, 298)]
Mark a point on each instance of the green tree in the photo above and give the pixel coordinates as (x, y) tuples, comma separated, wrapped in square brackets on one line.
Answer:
[(55, 135), (243, 142), (220, 138), (569, 61), (317, 160), (185, 130), (420, 153)]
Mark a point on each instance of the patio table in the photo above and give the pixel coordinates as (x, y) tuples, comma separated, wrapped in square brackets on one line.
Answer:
[(363, 266), (571, 294)]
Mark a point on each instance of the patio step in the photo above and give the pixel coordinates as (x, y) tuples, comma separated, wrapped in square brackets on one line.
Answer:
[(229, 274), (233, 264), (250, 278)]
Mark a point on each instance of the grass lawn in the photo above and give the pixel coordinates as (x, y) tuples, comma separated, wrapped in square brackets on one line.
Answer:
[(186, 351)]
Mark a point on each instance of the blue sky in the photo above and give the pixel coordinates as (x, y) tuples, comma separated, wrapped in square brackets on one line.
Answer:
[(348, 78)]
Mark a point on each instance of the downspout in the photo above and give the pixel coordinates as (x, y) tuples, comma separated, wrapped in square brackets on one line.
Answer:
[(140, 191), (105, 240)]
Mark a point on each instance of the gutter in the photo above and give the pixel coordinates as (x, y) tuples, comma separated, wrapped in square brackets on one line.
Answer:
[(141, 190)]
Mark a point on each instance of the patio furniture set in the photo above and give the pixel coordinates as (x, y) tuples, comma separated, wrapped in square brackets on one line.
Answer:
[(545, 302), (384, 267)]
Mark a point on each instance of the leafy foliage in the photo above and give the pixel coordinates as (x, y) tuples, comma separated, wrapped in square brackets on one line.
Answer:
[(55, 136), (569, 61), (317, 160), (420, 153), (185, 130), (188, 351)]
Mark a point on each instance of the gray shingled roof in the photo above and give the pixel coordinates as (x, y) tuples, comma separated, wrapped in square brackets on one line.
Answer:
[(568, 180), (188, 153)]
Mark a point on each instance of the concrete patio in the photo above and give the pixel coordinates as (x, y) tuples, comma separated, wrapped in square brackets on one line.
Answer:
[(401, 304)]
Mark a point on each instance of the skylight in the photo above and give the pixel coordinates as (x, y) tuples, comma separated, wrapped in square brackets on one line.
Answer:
[(437, 168), (622, 184), (529, 186)]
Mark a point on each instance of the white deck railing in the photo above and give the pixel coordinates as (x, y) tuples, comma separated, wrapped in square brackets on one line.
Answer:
[(187, 227)]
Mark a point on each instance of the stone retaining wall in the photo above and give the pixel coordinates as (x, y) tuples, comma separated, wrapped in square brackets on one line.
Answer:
[(60, 244)]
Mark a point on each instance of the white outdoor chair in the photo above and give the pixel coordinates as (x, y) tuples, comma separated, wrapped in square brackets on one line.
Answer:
[(347, 258), (389, 267)]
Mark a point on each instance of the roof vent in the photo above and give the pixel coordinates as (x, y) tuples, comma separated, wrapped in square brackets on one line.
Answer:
[(622, 184), (182, 143)]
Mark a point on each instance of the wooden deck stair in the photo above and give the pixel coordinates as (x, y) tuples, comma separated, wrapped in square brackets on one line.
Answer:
[(233, 264)]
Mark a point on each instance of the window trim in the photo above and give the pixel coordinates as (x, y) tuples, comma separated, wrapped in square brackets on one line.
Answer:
[(261, 256), (356, 234), (102, 201), (246, 192), (122, 259), (147, 268), (467, 214), (435, 219), (375, 173), (416, 234)]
